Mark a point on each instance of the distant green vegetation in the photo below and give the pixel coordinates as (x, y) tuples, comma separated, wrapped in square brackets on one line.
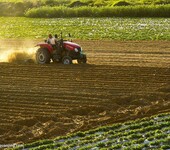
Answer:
[(113, 7), (87, 28), (89, 2), (146, 133), (86, 11)]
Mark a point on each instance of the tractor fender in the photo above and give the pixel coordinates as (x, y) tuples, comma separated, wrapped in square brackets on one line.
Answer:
[(45, 45)]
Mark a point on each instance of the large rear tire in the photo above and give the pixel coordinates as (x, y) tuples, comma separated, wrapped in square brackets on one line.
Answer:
[(67, 60), (42, 56)]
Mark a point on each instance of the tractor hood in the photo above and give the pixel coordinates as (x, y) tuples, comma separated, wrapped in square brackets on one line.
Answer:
[(70, 45)]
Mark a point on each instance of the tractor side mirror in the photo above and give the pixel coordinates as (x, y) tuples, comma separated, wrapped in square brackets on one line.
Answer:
[(69, 35)]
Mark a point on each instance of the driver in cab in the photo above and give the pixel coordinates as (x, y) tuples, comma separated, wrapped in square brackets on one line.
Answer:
[(51, 40)]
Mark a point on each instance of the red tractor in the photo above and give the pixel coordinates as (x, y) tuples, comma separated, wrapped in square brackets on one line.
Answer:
[(64, 51)]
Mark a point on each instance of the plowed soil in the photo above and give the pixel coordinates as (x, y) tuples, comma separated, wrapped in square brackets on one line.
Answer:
[(121, 81)]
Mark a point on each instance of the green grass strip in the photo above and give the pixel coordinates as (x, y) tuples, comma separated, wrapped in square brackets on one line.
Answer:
[(86, 11)]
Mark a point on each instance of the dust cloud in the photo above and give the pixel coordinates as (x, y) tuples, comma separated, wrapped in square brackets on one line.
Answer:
[(17, 51), (21, 57)]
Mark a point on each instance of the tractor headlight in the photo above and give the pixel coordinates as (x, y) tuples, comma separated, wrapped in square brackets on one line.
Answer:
[(76, 50)]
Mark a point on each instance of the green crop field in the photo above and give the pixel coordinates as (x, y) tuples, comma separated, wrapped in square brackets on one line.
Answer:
[(87, 28), (146, 133)]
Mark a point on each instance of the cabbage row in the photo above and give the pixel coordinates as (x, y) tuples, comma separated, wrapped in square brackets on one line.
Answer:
[(87, 28), (142, 134)]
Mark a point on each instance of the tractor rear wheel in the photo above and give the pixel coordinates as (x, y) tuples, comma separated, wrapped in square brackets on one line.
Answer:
[(42, 56), (67, 60)]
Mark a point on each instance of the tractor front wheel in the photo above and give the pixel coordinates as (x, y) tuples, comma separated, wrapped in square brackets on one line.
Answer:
[(42, 56), (67, 60)]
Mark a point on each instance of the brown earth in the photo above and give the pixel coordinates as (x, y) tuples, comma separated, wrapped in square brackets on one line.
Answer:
[(122, 81)]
